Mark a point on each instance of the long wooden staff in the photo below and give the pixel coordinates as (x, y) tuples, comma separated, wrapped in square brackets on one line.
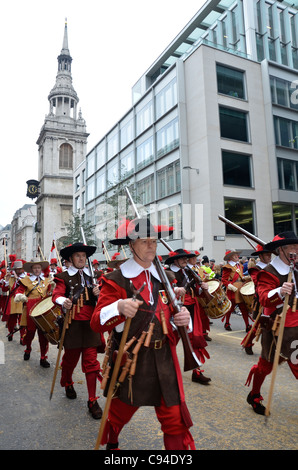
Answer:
[(58, 256), (278, 346), (61, 342), (114, 377)]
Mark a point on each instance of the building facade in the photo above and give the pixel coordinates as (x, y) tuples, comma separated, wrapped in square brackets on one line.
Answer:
[(62, 146), (213, 129)]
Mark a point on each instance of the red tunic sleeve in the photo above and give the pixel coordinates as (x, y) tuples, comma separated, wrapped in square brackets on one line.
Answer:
[(110, 293)]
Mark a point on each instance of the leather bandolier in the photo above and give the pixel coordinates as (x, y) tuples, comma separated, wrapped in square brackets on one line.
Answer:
[(80, 334), (155, 373)]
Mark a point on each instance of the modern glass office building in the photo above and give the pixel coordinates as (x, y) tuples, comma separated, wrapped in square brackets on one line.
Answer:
[(213, 129)]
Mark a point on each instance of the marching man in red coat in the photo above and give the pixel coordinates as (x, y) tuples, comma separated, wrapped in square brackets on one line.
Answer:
[(80, 340), (233, 279), (272, 286), (156, 380)]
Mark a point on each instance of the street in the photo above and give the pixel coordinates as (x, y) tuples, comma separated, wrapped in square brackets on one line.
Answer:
[(222, 419)]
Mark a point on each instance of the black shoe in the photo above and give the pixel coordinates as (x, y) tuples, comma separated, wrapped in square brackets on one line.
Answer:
[(70, 392), (249, 350), (44, 363), (26, 356), (94, 409), (112, 446), (198, 377), (228, 327), (255, 402)]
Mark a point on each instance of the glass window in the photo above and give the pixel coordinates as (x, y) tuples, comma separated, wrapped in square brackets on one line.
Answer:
[(100, 184), (166, 99), (172, 217), (90, 191), (77, 204), (167, 138), (241, 212), (144, 118), (126, 134), (101, 155), (77, 182), (145, 190), (233, 124), (282, 218), (230, 81), (112, 174), (145, 153), (168, 180), (90, 164), (112, 145), (236, 169), (287, 174), (127, 165), (65, 157)]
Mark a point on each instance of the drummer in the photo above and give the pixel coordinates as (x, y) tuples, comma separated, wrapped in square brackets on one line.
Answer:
[(193, 264), (233, 279), (34, 287), (178, 261)]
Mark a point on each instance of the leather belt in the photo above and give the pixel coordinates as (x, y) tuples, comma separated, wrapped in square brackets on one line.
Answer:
[(157, 344)]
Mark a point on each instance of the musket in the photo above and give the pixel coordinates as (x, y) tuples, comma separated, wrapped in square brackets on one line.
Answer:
[(88, 259), (190, 359), (241, 230), (191, 273), (279, 340), (61, 342)]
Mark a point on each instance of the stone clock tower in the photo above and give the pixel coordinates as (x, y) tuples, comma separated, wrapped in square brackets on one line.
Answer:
[(62, 145)]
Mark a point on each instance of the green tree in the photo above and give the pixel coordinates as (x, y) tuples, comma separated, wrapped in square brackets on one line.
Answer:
[(74, 234)]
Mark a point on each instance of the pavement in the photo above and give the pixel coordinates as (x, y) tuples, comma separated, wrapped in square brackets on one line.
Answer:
[(222, 419)]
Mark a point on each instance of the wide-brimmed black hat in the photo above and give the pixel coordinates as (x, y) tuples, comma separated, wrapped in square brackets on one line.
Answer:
[(177, 254), (282, 239), (260, 250), (67, 251), (131, 230)]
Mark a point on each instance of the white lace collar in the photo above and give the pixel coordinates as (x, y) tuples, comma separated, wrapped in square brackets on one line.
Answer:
[(72, 271), (132, 268), (280, 266)]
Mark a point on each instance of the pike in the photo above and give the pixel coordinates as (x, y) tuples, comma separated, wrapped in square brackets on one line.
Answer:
[(88, 259), (190, 359)]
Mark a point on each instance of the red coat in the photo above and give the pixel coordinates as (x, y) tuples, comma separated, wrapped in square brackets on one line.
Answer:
[(266, 283)]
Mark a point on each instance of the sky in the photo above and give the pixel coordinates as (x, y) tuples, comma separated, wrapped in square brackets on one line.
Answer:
[(111, 43)]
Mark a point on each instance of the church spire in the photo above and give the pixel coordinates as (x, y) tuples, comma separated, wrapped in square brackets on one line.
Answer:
[(63, 98), (65, 59)]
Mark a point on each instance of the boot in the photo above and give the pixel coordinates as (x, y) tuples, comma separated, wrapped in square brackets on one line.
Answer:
[(94, 409), (198, 377), (70, 392), (255, 402)]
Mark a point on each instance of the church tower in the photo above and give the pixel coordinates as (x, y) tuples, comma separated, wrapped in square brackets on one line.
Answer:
[(62, 145)]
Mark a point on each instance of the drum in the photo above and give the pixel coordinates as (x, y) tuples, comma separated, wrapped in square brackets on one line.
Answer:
[(45, 315), (219, 305), (248, 294)]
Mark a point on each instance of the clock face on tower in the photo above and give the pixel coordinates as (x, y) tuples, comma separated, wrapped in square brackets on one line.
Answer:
[(32, 188)]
